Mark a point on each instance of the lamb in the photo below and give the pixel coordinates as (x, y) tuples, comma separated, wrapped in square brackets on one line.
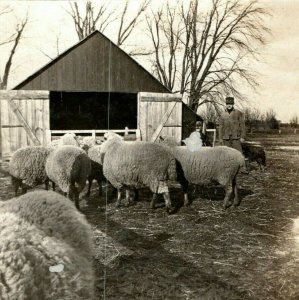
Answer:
[(40, 232), (69, 166), (254, 152), (133, 165), (27, 167), (220, 164)]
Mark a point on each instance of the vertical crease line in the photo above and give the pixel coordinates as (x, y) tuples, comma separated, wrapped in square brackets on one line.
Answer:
[(106, 196)]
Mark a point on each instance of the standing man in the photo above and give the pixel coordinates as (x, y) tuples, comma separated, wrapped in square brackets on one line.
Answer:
[(231, 126)]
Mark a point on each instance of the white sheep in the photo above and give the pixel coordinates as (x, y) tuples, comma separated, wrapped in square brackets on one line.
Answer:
[(220, 164), (132, 165), (40, 232), (27, 167), (67, 139), (68, 167)]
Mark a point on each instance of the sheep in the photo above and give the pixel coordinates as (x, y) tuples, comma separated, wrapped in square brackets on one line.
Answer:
[(69, 166), (254, 152), (41, 232), (133, 165), (66, 139), (220, 164), (27, 167)]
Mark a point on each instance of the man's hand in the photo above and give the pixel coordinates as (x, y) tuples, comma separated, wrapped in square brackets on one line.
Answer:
[(242, 140)]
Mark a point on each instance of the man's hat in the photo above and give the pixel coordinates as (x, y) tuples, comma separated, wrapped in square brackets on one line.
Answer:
[(229, 100)]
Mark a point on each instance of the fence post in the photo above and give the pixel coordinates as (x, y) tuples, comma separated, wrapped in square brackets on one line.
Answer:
[(138, 135)]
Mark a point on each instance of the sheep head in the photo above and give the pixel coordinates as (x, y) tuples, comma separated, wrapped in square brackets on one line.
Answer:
[(112, 135)]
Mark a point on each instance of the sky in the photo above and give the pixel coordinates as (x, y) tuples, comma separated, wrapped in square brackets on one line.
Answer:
[(278, 67)]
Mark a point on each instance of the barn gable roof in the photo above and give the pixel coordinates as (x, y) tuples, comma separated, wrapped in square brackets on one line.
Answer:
[(93, 64)]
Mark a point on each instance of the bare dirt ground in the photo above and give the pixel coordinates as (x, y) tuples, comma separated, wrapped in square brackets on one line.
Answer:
[(203, 252)]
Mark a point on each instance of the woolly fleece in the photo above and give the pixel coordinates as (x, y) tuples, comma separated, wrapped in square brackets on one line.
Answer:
[(209, 164), (28, 164), (137, 164), (39, 230), (68, 165)]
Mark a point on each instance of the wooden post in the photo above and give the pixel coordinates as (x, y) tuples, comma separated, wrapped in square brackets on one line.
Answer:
[(138, 135)]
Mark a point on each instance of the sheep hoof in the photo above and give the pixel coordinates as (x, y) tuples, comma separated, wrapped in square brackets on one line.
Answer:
[(187, 203), (226, 205), (130, 203), (171, 210), (237, 203)]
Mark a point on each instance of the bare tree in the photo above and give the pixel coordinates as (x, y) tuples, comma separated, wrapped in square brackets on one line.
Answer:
[(252, 117), (210, 113), (91, 19), (214, 48), (126, 28), (15, 39), (271, 120), (165, 61), (101, 16)]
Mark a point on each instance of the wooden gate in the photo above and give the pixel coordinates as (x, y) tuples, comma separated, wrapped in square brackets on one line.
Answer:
[(159, 115), (24, 120)]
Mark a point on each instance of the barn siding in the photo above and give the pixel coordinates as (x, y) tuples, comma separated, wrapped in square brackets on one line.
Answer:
[(152, 107), (88, 66), (34, 107)]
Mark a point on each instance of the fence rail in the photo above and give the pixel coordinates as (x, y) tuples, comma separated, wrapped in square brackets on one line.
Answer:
[(95, 132)]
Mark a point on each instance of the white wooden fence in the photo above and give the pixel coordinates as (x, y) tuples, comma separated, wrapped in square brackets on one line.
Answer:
[(95, 133)]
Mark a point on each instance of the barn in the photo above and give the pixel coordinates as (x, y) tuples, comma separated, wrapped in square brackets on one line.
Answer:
[(91, 87)]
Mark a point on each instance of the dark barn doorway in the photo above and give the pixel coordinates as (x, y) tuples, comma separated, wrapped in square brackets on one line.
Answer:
[(92, 110)]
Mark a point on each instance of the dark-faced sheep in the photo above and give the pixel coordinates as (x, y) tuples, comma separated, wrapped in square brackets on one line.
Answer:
[(254, 153)]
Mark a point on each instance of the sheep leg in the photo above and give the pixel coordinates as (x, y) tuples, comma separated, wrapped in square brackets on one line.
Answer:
[(47, 184), (235, 193), (100, 187), (118, 198), (16, 183), (89, 186), (186, 198), (153, 202), (168, 204), (24, 188), (228, 194), (135, 195), (127, 197), (74, 195), (53, 185), (132, 195)]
